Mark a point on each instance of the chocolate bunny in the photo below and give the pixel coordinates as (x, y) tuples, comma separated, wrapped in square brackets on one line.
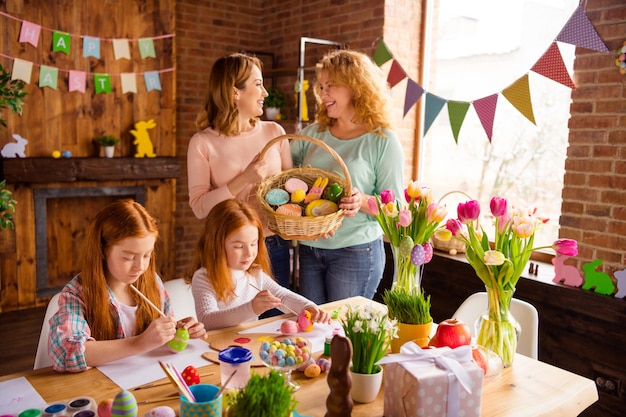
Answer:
[(339, 403)]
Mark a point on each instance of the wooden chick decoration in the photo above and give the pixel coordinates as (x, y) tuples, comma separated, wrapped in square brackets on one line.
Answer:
[(339, 402), (142, 139)]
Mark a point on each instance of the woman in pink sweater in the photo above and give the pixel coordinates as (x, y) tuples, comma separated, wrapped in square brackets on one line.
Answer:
[(222, 158)]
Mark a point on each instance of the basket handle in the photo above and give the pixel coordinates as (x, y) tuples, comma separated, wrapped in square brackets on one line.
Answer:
[(315, 141)]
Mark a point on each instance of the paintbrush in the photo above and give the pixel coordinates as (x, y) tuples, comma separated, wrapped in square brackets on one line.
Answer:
[(225, 384), (282, 304), (158, 384), (150, 303)]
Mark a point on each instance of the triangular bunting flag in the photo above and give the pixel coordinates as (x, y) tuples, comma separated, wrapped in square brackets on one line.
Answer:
[(518, 95), (382, 54), (396, 74), (456, 112), (433, 106), (486, 109), (580, 31), (551, 65), (413, 93)]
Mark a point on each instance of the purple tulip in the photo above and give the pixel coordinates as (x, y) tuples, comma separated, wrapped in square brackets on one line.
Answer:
[(468, 212), (387, 196), (498, 206), (566, 247)]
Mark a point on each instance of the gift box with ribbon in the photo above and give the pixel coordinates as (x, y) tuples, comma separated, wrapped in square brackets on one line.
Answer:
[(440, 382)]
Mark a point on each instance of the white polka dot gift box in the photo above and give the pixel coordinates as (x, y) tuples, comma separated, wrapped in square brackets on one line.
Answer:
[(439, 382)]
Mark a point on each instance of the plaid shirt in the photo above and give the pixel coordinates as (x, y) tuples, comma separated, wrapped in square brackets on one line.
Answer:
[(69, 329)]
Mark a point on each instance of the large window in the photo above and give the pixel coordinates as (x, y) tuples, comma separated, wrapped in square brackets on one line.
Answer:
[(479, 48)]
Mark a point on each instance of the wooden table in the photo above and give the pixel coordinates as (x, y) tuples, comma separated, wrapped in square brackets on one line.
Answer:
[(528, 388)]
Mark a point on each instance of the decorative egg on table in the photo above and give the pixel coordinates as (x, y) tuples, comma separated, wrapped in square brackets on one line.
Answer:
[(180, 340), (161, 411), (289, 327), (305, 322), (324, 364), (104, 408), (191, 375), (312, 370), (124, 405)]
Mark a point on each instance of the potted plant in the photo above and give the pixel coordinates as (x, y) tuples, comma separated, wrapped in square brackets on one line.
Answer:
[(107, 142), (370, 330), (412, 312), (274, 101), (261, 394), (11, 95)]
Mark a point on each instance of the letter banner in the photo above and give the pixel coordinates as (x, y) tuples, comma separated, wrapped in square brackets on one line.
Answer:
[(61, 42)]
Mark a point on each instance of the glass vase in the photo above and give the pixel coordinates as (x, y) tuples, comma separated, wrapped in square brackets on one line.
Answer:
[(497, 329), (406, 275)]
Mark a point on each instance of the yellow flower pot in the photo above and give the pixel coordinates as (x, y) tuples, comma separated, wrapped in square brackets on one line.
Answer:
[(418, 333)]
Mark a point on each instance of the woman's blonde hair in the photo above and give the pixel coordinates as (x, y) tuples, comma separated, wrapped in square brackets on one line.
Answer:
[(220, 111), (367, 82), (224, 219), (120, 220)]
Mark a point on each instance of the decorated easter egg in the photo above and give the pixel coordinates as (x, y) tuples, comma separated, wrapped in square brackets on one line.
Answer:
[(180, 340), (406, 246), (66, 154), (276, 196), (321, 207), (304, 321), (290, 210), (124, 405), (334, 192), (104, 408), (428, 252), (289, 327), (417, 255), (312, 370), (191, 375), (294, 184), (56, 154), (161, 411), (298, 196), (324, 364)]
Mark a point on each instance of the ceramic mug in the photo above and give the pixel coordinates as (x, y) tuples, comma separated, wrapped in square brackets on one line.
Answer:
[(206, 404)]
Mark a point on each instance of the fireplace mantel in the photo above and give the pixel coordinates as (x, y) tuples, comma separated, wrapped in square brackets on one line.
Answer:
[(50, 170)]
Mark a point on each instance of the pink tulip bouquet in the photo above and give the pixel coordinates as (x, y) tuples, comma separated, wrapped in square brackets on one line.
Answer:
[(500, 267)]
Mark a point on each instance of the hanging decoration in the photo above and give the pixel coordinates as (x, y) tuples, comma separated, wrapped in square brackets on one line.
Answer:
[(91, 47), (620, 59), (578, 31)]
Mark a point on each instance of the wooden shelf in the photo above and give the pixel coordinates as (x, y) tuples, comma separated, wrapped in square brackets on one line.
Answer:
[(50, 170)]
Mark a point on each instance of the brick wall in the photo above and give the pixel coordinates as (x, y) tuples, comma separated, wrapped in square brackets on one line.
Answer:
[(207, 31), (594, 195)]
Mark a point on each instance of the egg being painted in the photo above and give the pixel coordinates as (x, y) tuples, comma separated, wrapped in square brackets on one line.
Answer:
[(304, 321), (180, 340), (162, 411), (104, 408), (124, 405)]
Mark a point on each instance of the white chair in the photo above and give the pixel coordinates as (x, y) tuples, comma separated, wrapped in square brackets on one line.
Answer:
[(42, 359), (525, 314), (181, 298)]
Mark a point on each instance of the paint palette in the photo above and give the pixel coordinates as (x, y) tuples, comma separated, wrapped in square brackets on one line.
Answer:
[(75, 407)]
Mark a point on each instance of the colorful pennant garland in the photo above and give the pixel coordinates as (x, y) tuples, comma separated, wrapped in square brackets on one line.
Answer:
[(578, 31), (77, 80)]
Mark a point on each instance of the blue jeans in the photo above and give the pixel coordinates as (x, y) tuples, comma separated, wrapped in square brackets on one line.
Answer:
[(333, 274), (278, 249)]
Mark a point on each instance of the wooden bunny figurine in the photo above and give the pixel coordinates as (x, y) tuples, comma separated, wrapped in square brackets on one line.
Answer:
[(339, 402)]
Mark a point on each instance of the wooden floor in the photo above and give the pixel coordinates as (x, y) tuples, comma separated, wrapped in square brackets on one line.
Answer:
[(20, 332)]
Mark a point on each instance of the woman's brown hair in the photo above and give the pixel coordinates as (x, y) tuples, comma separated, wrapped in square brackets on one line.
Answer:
[(224, 219), (118, 221), (220, 111)]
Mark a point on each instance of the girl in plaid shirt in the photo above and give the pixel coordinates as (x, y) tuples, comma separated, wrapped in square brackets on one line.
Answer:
[(100, 319)]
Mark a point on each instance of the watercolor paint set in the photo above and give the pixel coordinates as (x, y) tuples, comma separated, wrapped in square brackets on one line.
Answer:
[(75, 407)]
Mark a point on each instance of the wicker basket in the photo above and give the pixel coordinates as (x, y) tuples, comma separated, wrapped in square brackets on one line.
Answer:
[(305, 227), (453, 245)]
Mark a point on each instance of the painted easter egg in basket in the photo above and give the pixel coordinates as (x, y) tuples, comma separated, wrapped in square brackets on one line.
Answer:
[(277, 197), (321, 207)]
